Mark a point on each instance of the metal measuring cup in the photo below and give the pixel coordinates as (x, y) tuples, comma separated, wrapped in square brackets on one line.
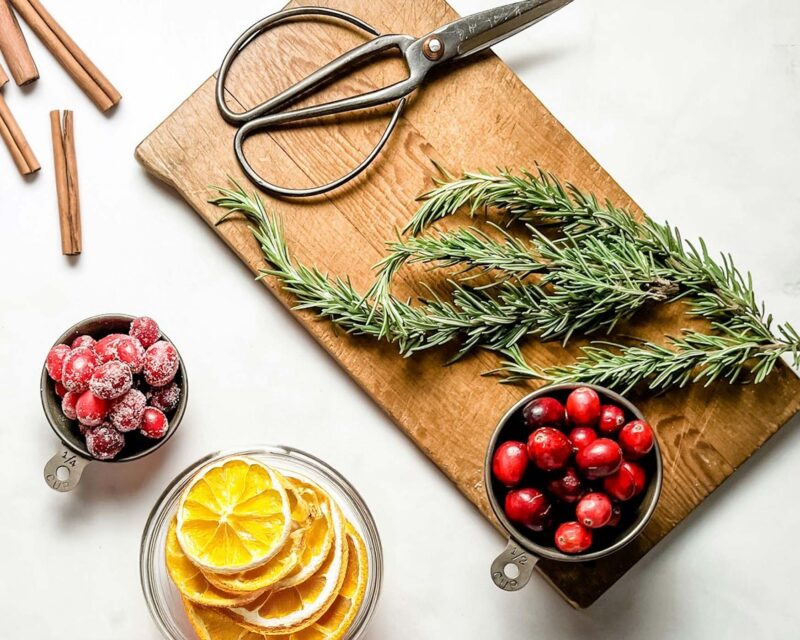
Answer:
[(512, 569), (63, 471)]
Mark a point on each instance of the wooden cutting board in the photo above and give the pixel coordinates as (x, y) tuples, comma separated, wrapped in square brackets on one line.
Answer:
[(478, 115)]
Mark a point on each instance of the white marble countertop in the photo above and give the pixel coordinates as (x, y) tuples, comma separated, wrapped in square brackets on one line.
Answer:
[(694, 107)]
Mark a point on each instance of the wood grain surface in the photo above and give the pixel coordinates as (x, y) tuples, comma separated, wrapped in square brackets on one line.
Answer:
[(479, 114)]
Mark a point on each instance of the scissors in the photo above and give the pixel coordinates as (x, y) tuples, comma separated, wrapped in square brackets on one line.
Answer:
[(453, 41)]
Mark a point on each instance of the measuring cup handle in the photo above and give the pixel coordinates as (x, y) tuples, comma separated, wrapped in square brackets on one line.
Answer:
[(69, 465), (513, 556)]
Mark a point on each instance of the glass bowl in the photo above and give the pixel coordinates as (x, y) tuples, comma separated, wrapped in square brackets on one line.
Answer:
[(163, 599)]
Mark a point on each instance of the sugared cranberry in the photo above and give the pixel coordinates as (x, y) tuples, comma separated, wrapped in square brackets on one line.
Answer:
[(583, 407), (620, 485), (60, 389), (549, 449), (55, 361), (111, 380), (167, 398), (567, 487), (581, 436), (594, 510), (616, 515), (160, 364), (528, 507), (573, 537), (83, 341), (154, 423), (104, 442), (636, 439), (611, 419), (68, 404), (126, 413), (639, 475), (544, 412), (509, 463), (131, 352), (599, 459), (90, 410), (106, 347), (79, 365), (145, 330)]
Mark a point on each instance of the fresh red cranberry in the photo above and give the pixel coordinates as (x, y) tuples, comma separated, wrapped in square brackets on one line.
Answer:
[(528, 507), (167, 398), (594, 510), (83, 341), (599, 459), (160, 364), (582, 436), (611, 419), (636, 439), (106, 347), (544, 412), (91, 410), (583, 407), (60, 389), (145, 330), (104, 442), (131, 352), (573, 537), (616, 515), (111, 380), (127, 412), (567, 487), (620, 485), (68, 403), (509, 463), (55, 361), (549, 449), (154, 423), (79, 365), (639, 476)]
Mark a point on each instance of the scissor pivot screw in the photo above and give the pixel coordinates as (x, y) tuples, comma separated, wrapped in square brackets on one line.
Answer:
[(433, 48)]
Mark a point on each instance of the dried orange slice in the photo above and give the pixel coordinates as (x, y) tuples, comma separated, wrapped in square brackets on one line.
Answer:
[(211, 624), (191, 582), (234, 516), (294, 608)]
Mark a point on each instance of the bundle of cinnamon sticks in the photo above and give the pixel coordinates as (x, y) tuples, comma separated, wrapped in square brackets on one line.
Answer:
[(23, 69)]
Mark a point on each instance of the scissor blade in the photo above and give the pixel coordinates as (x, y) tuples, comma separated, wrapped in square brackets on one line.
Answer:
[(482, 30)]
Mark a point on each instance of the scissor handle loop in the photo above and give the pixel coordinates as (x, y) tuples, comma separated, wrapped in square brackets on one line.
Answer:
[(252, 127), (256, 30)]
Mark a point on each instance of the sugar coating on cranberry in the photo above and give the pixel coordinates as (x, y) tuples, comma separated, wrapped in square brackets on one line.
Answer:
[(104, 442), (549, 449), (145, 330), (60, 389), (636, 439), (68, 403), (83, 341), (131, 352), (111, 380), (573, 537), (167, 398), (79, 365), (594, 510), (160, 364), (583, 407), (106, 347), (611, 419), (154, 423), (544, 412), (126, 412), (55, 361), (91, 410)]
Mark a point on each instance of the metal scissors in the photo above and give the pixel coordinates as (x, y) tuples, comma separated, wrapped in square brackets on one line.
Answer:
[(453, 41)]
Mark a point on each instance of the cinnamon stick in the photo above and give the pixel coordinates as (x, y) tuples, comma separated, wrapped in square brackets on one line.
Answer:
[(15, 140), (66, 169), (69, 55), (15, 48)]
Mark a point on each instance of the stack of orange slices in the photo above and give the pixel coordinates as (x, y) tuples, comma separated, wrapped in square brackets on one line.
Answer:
[(257, 554)]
